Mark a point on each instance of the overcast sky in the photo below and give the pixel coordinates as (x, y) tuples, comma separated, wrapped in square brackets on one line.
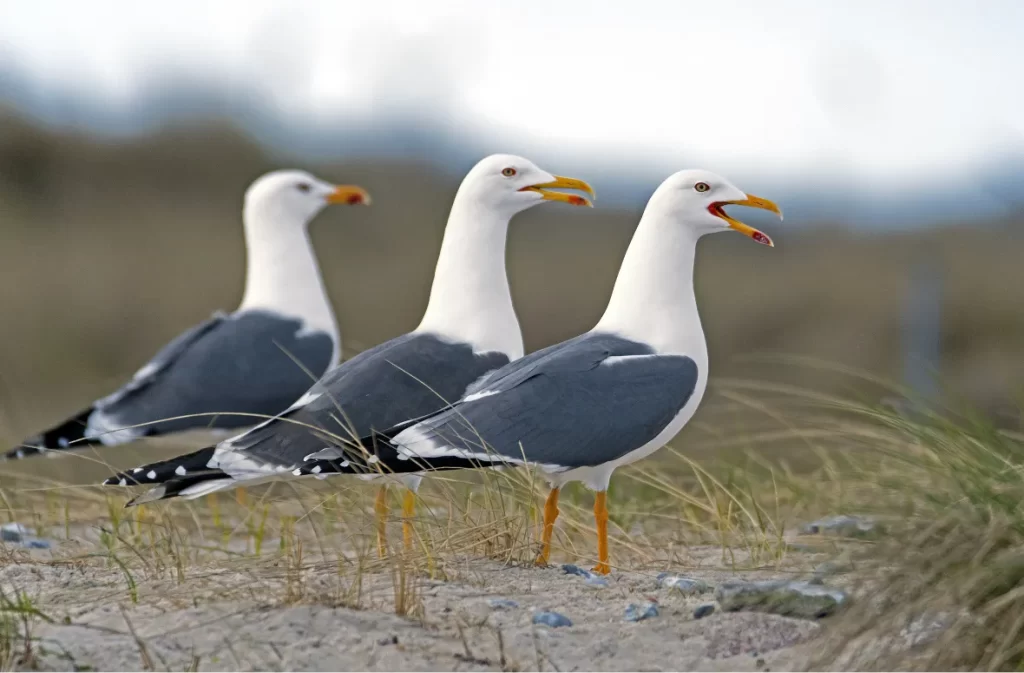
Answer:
[(888, 89)]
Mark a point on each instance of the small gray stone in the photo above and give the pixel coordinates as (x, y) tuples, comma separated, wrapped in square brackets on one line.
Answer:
[(13, 532), (570, 569), (596, 581), (503, 604), (842, 525), (636, 614), (702, 611), (687, 586), (792, 599), (552, 619)]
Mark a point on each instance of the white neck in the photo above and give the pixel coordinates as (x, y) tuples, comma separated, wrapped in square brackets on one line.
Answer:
[(653, 299), (282, 274), (470, 299)]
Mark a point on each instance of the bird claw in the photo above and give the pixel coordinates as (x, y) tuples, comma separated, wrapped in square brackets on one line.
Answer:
[(601, 569)]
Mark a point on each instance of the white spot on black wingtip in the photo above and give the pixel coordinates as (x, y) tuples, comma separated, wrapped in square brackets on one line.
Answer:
[(20, 453), (180, 470), (122, 482), (372, 459), (151, 474), (137, 470), (297, 472), (316, 469), (345, 463), (63, 442)]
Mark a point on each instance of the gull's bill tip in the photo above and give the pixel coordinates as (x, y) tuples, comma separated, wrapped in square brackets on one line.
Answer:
[(349, 195), (751, 202), (562, 182)]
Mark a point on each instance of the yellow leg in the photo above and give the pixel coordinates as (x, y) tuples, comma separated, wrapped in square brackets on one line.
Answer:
[(408, 512), (550, 514), (381, 507), (601, 517)]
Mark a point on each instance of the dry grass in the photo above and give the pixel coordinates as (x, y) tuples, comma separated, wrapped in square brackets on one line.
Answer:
[(942, 586)]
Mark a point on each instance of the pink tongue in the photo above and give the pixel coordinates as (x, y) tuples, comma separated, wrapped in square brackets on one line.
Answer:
[(761, 238)]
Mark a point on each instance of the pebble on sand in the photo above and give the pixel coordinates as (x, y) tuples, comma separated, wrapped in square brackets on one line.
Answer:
[(688, 586), (19, 534), (552, 619), (590, 578), (503, 604), (788, 598), (635, 614), (702, 611)]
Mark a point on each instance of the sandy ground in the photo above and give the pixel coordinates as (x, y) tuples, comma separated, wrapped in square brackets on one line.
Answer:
[(224, 618)]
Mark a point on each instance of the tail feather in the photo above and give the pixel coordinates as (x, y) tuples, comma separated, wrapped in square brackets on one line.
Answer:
[(195, 463), (67, 436)]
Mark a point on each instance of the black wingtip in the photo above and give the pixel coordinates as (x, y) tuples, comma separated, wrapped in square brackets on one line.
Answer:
[(23, 451), (166, 470), (67, 436)]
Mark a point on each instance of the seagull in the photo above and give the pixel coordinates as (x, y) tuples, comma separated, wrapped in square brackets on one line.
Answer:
[(469, 329), (252, 362), (578, 410)]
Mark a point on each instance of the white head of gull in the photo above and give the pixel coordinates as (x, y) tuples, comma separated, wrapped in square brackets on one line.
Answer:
[(282, 273), (470, 299)]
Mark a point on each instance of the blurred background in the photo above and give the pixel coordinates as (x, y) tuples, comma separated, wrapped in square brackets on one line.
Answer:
[(890, 133)]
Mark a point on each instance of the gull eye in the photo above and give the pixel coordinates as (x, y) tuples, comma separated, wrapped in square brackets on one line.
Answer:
[(702, 186), (304, 187), (508, 172)]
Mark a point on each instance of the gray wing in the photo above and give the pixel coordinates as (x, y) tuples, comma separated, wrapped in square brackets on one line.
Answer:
[(585, 402), (252, 362), (409, 377), (163, 359)]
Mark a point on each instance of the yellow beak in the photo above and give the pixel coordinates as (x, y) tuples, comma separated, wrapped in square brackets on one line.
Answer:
[(564, 183), (747, 230), (349, 195)]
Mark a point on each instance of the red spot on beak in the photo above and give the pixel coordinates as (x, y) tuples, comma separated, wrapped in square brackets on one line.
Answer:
[(354, 199), (577, 200), (761, 238)]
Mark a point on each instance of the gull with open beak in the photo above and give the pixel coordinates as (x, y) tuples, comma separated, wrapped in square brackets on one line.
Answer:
[(469, 329), (578, 410)]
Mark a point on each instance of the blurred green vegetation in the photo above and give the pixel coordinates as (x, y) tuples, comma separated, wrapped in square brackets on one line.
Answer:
[(109, 249)]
